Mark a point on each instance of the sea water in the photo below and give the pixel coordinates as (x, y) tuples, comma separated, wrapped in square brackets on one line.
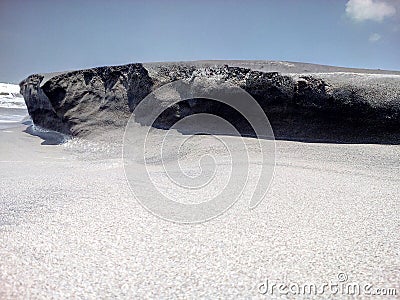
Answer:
[(12, 106)]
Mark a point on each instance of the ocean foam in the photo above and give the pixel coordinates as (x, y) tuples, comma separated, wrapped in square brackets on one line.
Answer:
[(10, 96)]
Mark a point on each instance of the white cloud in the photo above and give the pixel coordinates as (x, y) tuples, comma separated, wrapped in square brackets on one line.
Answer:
[(374, 10), (374, 37)]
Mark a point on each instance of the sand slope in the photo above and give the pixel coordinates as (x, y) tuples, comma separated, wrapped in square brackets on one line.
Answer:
[(69, 226)]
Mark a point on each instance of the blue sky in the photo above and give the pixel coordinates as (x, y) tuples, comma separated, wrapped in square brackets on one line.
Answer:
[(45, 36)]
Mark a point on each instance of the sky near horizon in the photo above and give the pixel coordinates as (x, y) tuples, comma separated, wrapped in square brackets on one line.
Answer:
[(46, 36)]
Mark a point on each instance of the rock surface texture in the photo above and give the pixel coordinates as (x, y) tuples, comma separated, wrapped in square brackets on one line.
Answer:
[(302, 101)]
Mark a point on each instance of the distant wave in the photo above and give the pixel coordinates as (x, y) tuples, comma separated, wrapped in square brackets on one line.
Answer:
[(10, 96)]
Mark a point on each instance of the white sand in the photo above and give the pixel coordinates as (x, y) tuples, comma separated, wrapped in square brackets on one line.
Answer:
[(69, 226)]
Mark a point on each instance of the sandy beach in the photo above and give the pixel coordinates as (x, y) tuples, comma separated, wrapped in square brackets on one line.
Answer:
[(200, 149), (70, 227)]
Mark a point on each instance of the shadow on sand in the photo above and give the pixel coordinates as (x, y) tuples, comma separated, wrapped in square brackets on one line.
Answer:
[(317, 131), (289, 130), (49, 137)]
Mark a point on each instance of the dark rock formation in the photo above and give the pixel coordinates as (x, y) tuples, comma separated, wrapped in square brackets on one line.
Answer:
[(332, 106), (76, 102)]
